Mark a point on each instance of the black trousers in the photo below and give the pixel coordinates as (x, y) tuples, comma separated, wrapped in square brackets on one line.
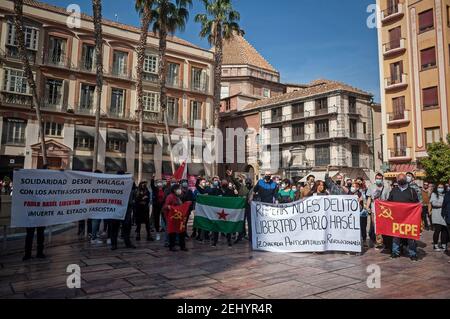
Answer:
[(114, 226), (426, 217), (387, 241), (440, 231), (156, 216), (138, 229), (173, 239), (247, 219), (30, 237), (216, 238), (363, 221)]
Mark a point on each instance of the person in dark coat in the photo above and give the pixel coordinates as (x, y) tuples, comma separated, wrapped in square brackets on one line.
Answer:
[(403, 194), (158, 201), (266, 189), (142, 210), (188, 196)]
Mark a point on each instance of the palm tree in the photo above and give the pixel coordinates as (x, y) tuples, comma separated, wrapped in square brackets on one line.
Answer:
[(144, 7), (97, 10), (18, 23), (168, 16), (219, 23)]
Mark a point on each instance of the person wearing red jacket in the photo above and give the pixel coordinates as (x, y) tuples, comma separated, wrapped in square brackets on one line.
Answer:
[(174, 199)]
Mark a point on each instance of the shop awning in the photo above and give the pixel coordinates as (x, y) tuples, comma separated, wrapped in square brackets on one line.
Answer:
[(82, 163), (148, 166), (84, 131), (118, 135), (114, 164)]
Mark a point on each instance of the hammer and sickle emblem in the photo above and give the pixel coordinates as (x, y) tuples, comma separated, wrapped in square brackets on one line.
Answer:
[(179, 216), (386, 213)]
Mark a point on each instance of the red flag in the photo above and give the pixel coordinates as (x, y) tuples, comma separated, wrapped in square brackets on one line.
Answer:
[(402, 220), (181, 172), (176, 218)]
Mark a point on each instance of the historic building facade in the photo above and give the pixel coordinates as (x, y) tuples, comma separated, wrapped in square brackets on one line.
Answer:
[(63, 63), (414, 45)]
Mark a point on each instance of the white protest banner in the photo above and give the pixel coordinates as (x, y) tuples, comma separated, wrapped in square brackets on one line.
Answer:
[(46, 197), (316, 224)]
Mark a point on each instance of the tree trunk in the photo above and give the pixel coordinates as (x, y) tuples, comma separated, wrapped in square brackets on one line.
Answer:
[(18, 22), (163, 89), (218, 58), (97, 9), (145, 23)]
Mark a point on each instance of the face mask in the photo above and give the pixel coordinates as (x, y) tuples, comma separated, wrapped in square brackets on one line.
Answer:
[(216, 184), (402, 182), (159, 185), (267, 178), (185, 185), (249, 185), (230, 186), (164, 184), (349, 185), (283, 186), (379, 182), (178, 192), (353, 190), (409, 179), (294, 189), (338, 183), (440, 190), (203, 185)]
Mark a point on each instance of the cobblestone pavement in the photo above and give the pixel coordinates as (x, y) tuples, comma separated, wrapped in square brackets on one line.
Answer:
[(151, 271)]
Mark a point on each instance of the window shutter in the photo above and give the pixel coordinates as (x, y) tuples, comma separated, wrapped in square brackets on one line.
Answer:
[(426, 20), (428, 57), (394, 37), (430, 97)]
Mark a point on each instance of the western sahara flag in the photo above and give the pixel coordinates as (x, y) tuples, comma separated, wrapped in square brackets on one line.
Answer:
[(220, 214)]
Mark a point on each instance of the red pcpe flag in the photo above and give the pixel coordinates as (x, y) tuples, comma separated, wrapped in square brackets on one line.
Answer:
[(176, 218), (401, 220)]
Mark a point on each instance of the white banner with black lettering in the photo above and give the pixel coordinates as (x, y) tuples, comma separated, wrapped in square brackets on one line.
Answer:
[(316, 224), (46, 197)]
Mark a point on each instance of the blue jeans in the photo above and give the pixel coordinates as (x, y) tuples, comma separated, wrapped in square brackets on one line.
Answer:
[(412, 250)]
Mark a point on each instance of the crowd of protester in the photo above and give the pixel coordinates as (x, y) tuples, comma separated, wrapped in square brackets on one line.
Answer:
[(149, 204)]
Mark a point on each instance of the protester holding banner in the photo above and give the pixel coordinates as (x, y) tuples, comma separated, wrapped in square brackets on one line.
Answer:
[(266, 189), (404, 194), (378, 191), (247, 193), (142, 210), (355, 191), (319, 189), (173, 200), (310, 182), (188, 196), (285, 194), (439, 223)]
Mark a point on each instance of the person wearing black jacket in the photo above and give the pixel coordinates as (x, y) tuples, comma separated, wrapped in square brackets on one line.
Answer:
[(403, 194), (227, 190), (142, 210)]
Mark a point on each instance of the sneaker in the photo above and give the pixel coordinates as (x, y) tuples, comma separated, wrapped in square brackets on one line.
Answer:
[(436, 248), (395, 256), (214, 245), (99, 242), (414, 258)]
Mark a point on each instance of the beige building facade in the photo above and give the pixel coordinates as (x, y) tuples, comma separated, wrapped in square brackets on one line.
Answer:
[(63, 64), (414, 45)]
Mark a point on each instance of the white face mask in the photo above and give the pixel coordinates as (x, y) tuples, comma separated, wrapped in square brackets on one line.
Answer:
[(440, 190), (178, 192), (353, 190), (409, 179)]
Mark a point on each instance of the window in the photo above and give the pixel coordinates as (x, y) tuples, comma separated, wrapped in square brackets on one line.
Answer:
[(353, 128), (88, 57), (150, 101), (430, 97), (322, 129), (172, 110), (266, 92), (352, 104), (426, 20), (31, 36), (396, 72), (224, 92), (196, 112), (277, 114), (147, 145), (433, 135), (392, 6), (117, 107), (151, 63), (56, 51), (364, 128), (15, 81), (87, 96), (322, 155), (428, 58), (394, 38), (227, 104), (400, 144), (173, 73), (448, 16), (322, 106), (198, 79), (398, 105), (14, 131), (120, 62), (355, 156), (298, 109), (53, 92), (84, 143), (298, 132), (53, 129), (114, 145)]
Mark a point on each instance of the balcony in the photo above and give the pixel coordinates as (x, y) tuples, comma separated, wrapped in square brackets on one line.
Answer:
[(392, 13), (150, 77), (400, 154), (151, 117), (119, 74), (394, 47), (16, 99), (398, 118), (195, 87), (299, 115), (85, 110), (396, 83), (322, 135), (87, 66), (174, 83), (12, 53), (295, 138), (56, 60), (325, 111), (51, 106), (355, 135)]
